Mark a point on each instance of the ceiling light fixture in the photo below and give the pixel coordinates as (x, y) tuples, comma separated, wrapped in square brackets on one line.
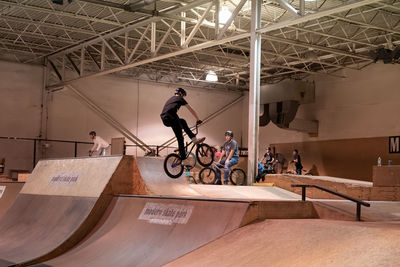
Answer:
[(212, 76), (224, 15)]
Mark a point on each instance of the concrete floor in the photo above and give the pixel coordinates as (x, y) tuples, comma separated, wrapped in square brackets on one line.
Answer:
[(302, 243)]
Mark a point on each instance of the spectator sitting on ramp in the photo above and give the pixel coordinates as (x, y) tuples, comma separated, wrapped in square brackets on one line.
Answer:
[(99, 144), (171, 119), (231, 151)]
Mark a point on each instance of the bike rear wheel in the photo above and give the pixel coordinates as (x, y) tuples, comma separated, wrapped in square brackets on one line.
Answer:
[(172, 166), (205, 155), (237, 176), (207, 175)]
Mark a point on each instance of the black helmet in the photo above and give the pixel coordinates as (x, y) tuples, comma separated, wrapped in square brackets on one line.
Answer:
[(230, 133), (180, 91), (92, 133)]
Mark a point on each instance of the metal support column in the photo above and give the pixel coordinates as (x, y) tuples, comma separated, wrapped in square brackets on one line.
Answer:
[(76, 149), (34, 153), (254, 90), (216, 19)]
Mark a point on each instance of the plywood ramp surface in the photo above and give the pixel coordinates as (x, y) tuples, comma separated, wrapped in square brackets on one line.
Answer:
[(85, 177), (301, 243), (125, 240), (8, 193), (152, 173), (61, 202)]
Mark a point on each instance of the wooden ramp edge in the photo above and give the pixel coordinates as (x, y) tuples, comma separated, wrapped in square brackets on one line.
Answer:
[(61, 212), (8, 193)]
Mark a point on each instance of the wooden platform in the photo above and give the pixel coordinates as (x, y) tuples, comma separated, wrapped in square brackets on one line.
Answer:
[(354, 188)]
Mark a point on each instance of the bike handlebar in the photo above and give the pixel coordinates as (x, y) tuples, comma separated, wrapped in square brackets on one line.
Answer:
[(196, 127)]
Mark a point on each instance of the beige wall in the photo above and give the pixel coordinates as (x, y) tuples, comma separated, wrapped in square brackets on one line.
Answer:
[(354, 111), (137, 105), (364, 104), (20, 111)]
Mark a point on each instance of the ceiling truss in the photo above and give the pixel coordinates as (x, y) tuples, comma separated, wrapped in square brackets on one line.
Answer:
[(180, 41)]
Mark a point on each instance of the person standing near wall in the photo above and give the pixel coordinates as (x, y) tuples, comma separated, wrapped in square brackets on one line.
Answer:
[(297, 161), (99, 144), (230, 149)]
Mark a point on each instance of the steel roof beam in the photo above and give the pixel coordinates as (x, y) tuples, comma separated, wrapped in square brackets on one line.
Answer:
[(288, 7), (58, 13), (138, 23), (208, 44), (290, 22)]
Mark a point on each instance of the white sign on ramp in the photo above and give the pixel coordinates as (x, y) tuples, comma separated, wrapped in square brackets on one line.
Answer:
[(167, 214), (2, 189), (64, 179)]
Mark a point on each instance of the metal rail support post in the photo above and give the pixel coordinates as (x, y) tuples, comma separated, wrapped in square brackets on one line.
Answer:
[(254, 90)]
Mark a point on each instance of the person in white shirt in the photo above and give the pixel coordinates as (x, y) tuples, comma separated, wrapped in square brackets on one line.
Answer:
[(99, 144)]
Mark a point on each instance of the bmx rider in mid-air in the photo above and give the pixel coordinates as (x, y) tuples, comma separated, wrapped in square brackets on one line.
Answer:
[(171, 119)]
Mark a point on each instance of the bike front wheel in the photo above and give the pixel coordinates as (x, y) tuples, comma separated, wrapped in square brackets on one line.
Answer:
[(237, 176), (207, 176), (205, 155), (172, 166), (191, 158)]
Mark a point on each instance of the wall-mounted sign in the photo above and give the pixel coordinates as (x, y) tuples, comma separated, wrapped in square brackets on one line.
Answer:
[(2, 189), (64, 179), (394, 144), (243, 152), (167, 214)]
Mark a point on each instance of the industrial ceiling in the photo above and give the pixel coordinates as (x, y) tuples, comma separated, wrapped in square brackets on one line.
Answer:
[(183, 41)]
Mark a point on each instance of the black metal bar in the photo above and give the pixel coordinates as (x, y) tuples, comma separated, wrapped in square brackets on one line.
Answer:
[(34, 153), (303, 193), (76, 149), (343, 196), (38, 139), (55, 70), (358, 202), (73, 64), (333, 193)]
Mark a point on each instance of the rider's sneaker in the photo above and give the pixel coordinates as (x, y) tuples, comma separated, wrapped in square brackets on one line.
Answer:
[(198, 140), (226, 183), (218, 182)]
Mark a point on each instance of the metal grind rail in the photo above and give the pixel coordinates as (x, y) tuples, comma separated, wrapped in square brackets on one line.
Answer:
[(357, 201)]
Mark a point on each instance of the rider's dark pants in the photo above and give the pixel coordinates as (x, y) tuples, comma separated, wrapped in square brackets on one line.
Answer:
[(299, 168), (177, 125)]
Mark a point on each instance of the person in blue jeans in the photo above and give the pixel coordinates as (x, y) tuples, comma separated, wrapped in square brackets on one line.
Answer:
[(230, 150)]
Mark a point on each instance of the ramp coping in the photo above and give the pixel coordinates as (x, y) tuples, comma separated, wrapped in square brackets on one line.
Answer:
[(186, 198)]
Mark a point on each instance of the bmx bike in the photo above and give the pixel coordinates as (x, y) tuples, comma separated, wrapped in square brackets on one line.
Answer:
[(204, 155), (207, 175)]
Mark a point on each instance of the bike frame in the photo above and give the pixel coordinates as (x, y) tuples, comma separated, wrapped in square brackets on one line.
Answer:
[(191, 142)]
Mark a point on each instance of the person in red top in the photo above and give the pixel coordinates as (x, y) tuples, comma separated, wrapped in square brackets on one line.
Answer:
[(171, 119)]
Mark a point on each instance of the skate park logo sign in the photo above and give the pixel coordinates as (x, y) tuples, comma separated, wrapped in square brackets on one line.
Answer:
[(166, 214), (64, 179), (2, 189), (394, 144)]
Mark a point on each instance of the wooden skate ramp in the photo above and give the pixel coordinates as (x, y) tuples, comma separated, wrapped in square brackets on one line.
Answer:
[(58, 206), (125, 238), (8, 193), (152, 173)]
